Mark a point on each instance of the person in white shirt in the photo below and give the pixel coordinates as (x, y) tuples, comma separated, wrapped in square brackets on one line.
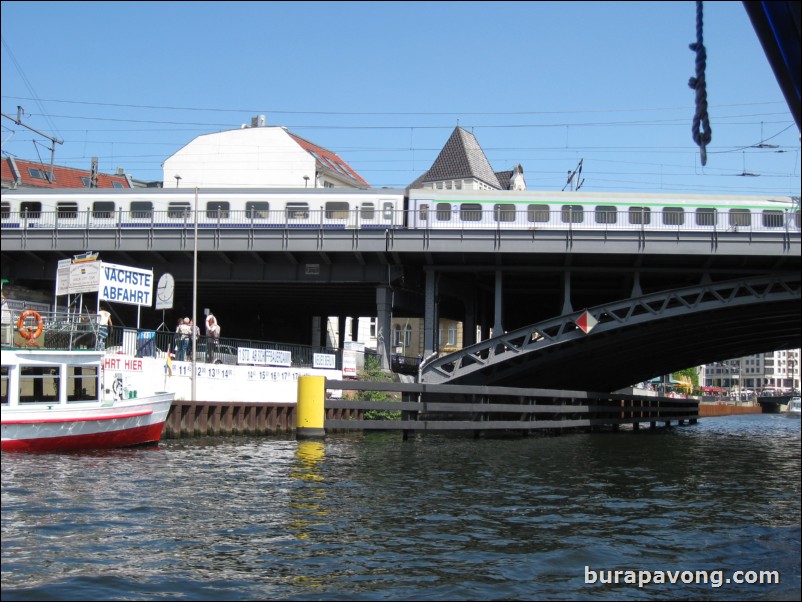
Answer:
[(104, 324), (212, 337)]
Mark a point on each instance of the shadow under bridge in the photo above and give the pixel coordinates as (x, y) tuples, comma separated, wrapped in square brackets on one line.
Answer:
[(635, 339)]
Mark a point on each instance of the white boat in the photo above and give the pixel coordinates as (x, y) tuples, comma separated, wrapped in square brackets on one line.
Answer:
[(794, 408), (57, 397)]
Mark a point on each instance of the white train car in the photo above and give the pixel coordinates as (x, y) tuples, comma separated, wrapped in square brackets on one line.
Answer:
[(217, 208), (529, 210)]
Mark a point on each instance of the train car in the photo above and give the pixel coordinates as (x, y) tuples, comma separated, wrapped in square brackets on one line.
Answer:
[(217, 208), (529, 210)]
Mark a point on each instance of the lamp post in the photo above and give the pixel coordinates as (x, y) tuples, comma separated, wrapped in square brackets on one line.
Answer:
[(195, 302), (177, 179)]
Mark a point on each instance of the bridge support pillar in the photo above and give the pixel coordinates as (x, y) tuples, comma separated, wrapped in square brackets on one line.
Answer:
[(498, 325), (384, 309), (430, 314)]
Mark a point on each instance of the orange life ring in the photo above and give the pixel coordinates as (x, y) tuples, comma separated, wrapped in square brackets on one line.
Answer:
[(28, 332)]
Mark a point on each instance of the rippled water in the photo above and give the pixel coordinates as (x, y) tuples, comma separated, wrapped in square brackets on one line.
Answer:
[(435, 518)]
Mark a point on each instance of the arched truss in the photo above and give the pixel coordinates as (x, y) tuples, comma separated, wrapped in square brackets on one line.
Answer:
[(636, 338)]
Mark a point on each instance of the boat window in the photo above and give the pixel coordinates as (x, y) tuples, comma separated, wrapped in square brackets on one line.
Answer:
[(443, 212), (504, 212), (179, 209), (217, 209), (705, 216), (605, 214), (470, 212), (141, 209), (5, 210), (82, 383), (257, 209), (367, 211), (4, 385), (572, 214), (740, 218), (537, 213), (67, 210), (39, 384), (103, 209), (640, 215), (337, 210), (673, 216), (297, 211), (31, 209), (772, 218)]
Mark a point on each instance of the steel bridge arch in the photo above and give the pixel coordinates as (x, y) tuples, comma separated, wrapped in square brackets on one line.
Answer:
[(635, 339)]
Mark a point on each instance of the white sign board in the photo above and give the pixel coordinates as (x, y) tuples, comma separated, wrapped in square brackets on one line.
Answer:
[(349, 363), (122, 284), (84, 277), (324, 360), (263, 357)]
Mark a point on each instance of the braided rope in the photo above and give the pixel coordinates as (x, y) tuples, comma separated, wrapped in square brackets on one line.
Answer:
[(701, 135)]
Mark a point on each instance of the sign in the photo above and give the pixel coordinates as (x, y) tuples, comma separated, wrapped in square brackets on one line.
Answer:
[(84, 277), (349, 363), (586, 321), (324, 360), (63, 277), (121, 284), (164, 292), (264, 357)]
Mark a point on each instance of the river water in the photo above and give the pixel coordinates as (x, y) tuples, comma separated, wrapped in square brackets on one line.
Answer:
[(437, 517)]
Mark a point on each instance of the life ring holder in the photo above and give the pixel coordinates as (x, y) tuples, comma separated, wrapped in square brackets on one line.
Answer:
[(28, 332)]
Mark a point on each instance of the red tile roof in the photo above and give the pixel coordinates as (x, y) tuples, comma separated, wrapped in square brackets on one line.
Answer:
[(64, 177), (328, 160)]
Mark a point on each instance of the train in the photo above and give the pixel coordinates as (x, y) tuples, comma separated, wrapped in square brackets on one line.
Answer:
[(382, 208)]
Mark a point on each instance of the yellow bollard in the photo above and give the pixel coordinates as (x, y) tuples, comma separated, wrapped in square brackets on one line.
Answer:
[(311, 411)]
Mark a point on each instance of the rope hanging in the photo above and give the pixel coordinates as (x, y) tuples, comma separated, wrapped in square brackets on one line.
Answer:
[(701, 135)]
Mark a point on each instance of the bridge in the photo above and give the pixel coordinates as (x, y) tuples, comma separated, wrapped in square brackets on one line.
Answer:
[(664, 300)]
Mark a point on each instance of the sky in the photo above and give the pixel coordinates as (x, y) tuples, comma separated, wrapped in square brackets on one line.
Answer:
[(384, 84)]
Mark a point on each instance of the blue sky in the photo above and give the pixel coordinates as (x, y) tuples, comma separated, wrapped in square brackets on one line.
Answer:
[(383, 84)]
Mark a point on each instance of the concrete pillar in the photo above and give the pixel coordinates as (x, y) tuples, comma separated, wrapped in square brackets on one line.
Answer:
[(567, 308), (498, 325), (430, 315), (384, 314)]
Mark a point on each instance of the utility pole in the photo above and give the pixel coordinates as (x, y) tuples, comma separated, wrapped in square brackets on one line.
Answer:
[(53, 141)]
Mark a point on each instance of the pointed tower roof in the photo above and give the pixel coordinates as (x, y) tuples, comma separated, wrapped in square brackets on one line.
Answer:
[(461, 157)]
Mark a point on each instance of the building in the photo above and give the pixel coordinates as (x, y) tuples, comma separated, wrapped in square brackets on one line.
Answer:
[(462, 165), (257, 156), (765, 373), (19, 173)]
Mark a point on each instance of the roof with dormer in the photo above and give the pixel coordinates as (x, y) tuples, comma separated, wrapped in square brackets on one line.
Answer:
[(328, 161), (19, 173)]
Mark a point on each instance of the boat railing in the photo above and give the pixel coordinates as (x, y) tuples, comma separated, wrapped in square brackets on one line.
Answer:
[(34, 329)]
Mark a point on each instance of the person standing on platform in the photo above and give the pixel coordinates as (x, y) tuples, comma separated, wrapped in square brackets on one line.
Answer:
[(212, 337), (184, 332), (103, 326)]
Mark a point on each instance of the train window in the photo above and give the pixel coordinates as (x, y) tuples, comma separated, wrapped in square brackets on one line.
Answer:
[(141, 209), (673, 216), (31, 209), (217, 209), (640, 215), (367, 211), (179, 209), (103, 209), (443, 212), (572, 214), (423, 213), (470, 212), (337, 210), (297, 211), (504, 213), (257, 209), (773, 218), (740, 218), (67, 210), (705, 216), (5, 210), (606, 214), (796, 218), (537, 213), (387, 210)]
